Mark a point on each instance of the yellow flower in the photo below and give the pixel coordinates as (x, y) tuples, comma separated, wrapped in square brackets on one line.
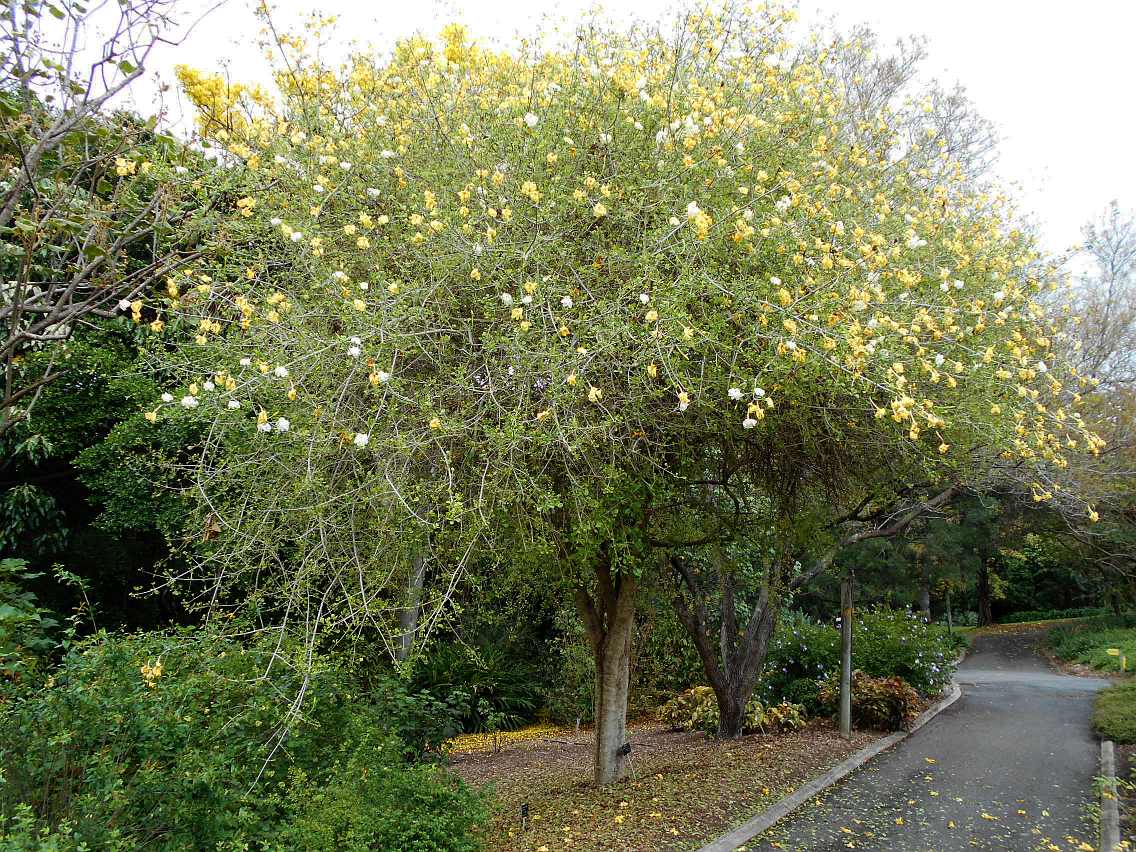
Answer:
[(475, 274), (652, 315), (541, 416), (518, 313), (652, 371), (599, 211), (571, 379), (594, 394), (435, 423), (151, 416), (392, 288)]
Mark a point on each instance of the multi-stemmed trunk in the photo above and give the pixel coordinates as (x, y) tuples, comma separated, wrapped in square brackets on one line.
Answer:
[(609, 618), (732, 668)]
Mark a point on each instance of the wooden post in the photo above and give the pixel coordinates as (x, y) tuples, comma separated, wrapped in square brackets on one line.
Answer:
[(846, 657)]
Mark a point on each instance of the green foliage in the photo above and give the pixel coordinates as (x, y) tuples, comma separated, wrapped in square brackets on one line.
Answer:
[(885, 643), (879, 703), (1051, 614), (369, 800), (159, 740), (1114, 713), (697, 709), (1088, 641), (25, 627), (496, 690)]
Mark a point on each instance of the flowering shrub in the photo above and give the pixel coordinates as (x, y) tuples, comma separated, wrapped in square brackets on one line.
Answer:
[(880, 703)]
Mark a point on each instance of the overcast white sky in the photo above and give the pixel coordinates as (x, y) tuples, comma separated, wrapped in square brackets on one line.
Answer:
[(1056, 78)]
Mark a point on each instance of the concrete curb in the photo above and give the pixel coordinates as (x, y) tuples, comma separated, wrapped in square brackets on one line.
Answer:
[(1109, 806), (765, 820)]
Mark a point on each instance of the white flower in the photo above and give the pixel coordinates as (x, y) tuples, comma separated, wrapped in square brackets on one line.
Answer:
[(361, 439), (124, 305), (209, 386), (280, 372), (644, 298), (180, 170), (373, 192), (958, 284), (234, 404), (526, 299), (167, 397), (318, 188), (245, 362), (774, 280), (354, 351), (507, 299), (357, 341), (532, 119), (735, 393), (346, 166), (939, 360), (944, 286), (275, 221), (759, 392), (566, 302), (339, 275), (673, 221), (387, 154), (1041, 368), (282, 424), (749, 423), (692, 210), (189, 402), (264, 427), (605, 138), (383, 376), (1000, 295), (297, 236), (279, 160)]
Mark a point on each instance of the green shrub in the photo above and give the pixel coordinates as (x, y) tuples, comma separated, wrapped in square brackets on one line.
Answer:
[(25, 627), (178, 740), (1114, 713), (885, 643), (879, 703), (697, 709), (371, 800), (1050, 614), (493, 689), (1088, 641)]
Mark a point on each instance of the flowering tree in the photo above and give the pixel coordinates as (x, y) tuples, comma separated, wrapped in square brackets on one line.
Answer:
[(95, 206), (516, 305)]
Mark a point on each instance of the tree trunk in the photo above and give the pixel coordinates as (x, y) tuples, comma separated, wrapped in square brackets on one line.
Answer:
[(985, 614), (408, 619), (925, 588), (609, 618), (734, 666)]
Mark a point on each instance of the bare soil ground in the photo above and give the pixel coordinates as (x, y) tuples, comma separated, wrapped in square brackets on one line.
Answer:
[(687, 788)]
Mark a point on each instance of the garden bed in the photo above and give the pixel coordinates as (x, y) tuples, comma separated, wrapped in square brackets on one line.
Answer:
[(687, 788)]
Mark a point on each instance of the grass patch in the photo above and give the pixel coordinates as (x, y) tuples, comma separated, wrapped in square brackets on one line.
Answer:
[(1087, 642), (1114, 714)]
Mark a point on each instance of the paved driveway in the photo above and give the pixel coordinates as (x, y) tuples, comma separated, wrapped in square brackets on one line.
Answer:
[(1009, 766)]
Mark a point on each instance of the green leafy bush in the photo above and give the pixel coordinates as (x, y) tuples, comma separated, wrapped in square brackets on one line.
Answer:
[(494, 689), (879, 703), (25, 627), (1114, 713), (1088, 641), (180, 741), (885, 643), (370, 800), (697, 709), (1050, 614)]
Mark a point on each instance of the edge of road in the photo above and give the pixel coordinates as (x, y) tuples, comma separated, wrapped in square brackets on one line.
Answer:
[(1109, 806), (777, 812)]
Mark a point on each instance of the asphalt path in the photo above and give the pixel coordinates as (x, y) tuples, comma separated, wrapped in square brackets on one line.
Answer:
[(1009, 766)]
